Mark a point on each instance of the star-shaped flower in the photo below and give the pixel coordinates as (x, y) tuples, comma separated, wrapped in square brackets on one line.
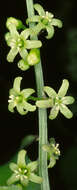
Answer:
[(57, 101), (53, 152), (19, 43), (23, 172), (18, 98), (45, 21)]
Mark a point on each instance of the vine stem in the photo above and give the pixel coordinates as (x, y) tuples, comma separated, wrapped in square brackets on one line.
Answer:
[(42, 113)]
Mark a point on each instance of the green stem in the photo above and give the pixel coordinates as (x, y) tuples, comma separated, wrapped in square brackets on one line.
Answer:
[(42, 113)]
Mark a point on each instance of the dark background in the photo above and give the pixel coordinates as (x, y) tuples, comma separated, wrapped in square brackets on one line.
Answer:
[(59, 61)]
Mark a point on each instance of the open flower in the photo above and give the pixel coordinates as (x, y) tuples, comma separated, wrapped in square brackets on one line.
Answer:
[(53, 152), (18, 98), (45, 21), (57, 101), (23, 172), (19, 43)]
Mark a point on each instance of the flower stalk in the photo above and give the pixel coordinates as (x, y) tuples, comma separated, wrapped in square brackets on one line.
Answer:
[(42, 114)]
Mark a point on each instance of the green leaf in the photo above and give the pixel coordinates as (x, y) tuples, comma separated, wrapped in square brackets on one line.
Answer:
[(17, 83), (12, 53), (54, 112), (12, 187), (33, 44), (68, 100), (44, 103), (65, 111), (63, 89), (50, 91), (26, 141), (50, 31), (39, 9), (33, 186)]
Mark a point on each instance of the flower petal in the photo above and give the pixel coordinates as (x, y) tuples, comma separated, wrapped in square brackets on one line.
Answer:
[(17, 83), (13, 167), (11, 106), (23, 53), (32, 165), (14, 178), (56, 22), (20, 109), (50, 91), (21, 159), (32, 19), (39, 9), (25, 34), (29, 107), (65, 111), (54, 112), (33, 44), (44, 103), (23, 65), (24, 180), (63, 89), (12, 54), (27, 92), (68, 100), (50, 31), (36, 179)]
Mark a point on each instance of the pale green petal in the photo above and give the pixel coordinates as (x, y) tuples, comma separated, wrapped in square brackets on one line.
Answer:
[(56, 22), (65, 111), (23, 53), (52, 162), (20, 109), (44, 103), (7, 37), (32, 165), (54, 112), (21, 159), (25, 34), (12, 92), (63, 89), (14, 178), (36, 179), (13, 167), (39, 9), (23, 65), (37, 28), (11, 107), (24, 180), (29, 107), (12, 54), (17, 83), (32, 19), (13, 21), (27, 92), (33, 44), (68, 100), (50, 91), (50, 31)]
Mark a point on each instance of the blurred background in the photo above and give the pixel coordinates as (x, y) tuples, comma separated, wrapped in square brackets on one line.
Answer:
[(59, 61)]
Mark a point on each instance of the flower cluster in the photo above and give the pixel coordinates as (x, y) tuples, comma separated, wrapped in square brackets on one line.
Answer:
[(20, 43), (23, 172), (45, 21), (19, 98), (53, 152), (57, 101)]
